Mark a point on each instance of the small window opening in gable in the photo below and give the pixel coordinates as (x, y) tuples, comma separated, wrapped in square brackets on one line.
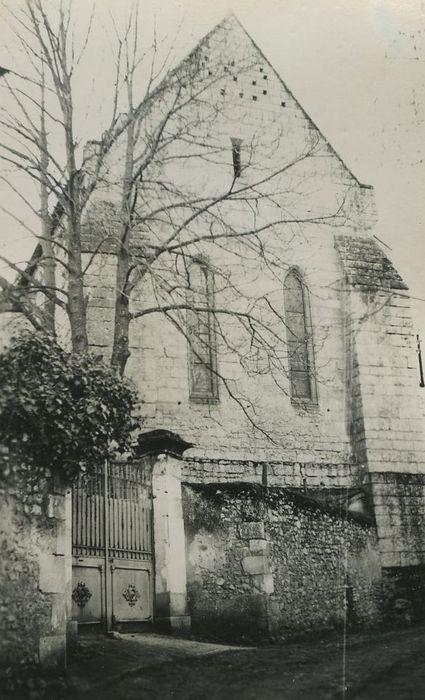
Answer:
[(236, 156), (235, 78), (264, 92), (261, 69), (264, 77), (254, 82)]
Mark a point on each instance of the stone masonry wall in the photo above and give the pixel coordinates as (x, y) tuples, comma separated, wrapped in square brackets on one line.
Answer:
[(253, 104), (385, 404), (35, 572), (399, 505), (275, 563), (309, 433), (387, 427), (271, 473)]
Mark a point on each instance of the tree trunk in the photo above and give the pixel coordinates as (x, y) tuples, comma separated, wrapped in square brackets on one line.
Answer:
[(120, 348), (48, 260), (76, 306)]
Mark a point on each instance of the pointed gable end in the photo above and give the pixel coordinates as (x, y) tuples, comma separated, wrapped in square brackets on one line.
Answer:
[(229, 48)]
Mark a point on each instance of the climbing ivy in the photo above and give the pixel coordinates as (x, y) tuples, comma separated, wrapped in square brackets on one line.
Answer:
[(61, 412)]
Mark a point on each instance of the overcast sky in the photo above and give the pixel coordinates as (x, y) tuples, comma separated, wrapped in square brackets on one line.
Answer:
[(358, 69)]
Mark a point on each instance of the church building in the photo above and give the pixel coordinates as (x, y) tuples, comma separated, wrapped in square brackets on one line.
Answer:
[(278, 483)]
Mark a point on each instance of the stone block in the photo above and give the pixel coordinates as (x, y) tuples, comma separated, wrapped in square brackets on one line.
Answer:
[(264, 583), (52, 573), (58, 614), (411, 558), (390, 559), (256, 564), (259, 545), (56, 506), (252, 530), (63, 538)]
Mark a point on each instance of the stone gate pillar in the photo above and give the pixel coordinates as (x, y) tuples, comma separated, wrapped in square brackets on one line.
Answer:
[(167, 449)]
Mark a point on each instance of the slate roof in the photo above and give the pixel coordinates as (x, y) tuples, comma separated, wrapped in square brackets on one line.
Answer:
[(365, 263)]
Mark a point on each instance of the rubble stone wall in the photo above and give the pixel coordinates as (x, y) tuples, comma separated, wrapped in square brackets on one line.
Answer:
[(35, 572), (276, 563)]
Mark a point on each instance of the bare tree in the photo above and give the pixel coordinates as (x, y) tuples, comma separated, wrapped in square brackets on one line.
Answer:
[(166, 186)]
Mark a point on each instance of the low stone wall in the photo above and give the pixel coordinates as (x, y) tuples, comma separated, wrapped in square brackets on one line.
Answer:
[(35, 571), (275, 562)]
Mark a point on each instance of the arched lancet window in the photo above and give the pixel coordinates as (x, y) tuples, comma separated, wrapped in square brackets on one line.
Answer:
[(300, 344), (203, 385)]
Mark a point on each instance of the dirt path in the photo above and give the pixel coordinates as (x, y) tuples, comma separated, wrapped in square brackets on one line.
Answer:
[(388, 665)]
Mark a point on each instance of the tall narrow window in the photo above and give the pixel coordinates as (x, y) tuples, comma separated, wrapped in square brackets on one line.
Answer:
[(236, 155), (201, 335), (300, 345)]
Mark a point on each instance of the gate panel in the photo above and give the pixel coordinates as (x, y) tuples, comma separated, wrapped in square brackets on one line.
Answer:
[(112, 546), (131, 593), (88, 604)]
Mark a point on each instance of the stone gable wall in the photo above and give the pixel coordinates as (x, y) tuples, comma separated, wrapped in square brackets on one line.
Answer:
[(362, 335), (235, 92), (242, 97)]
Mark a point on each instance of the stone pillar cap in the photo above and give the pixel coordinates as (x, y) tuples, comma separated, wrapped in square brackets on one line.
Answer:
[(155, 442)]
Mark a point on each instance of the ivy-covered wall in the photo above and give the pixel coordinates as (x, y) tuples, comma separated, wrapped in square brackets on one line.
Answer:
[(276, 563), (34, 570)]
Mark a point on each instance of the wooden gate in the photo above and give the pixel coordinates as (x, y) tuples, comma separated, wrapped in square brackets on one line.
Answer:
[(112, 547)]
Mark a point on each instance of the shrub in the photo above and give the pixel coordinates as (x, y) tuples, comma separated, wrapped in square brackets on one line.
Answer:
[(60, 412)]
